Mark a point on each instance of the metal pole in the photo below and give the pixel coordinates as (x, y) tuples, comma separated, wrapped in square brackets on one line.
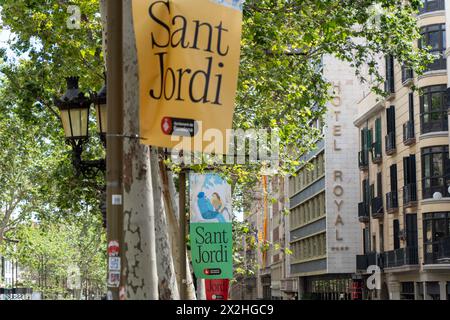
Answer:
[(114, 136), (182, 205)]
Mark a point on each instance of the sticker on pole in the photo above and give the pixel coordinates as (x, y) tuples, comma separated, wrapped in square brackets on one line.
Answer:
[(113, 249)]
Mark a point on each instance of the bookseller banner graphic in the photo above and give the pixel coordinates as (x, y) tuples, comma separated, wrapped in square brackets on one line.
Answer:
[(188, 56), (211, 230)]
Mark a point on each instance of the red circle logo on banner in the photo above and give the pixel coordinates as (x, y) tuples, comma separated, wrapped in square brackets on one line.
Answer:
[(167, 125)]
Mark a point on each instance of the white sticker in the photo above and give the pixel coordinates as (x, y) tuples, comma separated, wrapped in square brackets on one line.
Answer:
[(117, 200), (114, 264), (114, 279)]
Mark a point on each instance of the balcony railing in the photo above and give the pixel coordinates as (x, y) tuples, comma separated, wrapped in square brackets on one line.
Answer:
[(363, 212), (392, 201), (440, 253), (407, 75), (390, 143), (409, 135), (432, 5), (367, 260), (401, 257), (410, 194), (377, 152), (377, 208), (363, 159)]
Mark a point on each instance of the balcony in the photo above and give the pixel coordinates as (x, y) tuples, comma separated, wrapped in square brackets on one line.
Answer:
[(392, 201), (410, 195), (377, 153), (407, 76), (409, 135), (363, 158), (363, 212), (367, 260), (390, 144), (440, 253), (401, 257), (377, 208), (432, 5)]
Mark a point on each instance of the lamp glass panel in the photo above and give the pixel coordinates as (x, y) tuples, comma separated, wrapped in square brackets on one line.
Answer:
[(102, 120), (79, 119), (65, 119)]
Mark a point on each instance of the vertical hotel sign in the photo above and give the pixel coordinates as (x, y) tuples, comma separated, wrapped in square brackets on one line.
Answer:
[(211, 227), (188, 56)]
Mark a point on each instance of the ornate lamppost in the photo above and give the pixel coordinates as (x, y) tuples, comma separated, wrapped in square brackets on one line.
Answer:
[(74, 107)]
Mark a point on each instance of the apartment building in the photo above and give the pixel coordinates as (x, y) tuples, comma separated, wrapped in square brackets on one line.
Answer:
[(267, 221), (404, 207), (323, 226)]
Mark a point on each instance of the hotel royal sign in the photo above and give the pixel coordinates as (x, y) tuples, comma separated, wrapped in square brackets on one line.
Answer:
[(188, 56)]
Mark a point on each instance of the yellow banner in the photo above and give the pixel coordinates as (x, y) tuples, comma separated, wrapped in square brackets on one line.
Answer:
[(188, 55)]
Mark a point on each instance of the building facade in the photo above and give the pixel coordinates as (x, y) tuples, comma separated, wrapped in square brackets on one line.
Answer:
[(323, 231), (404, 206), (267, 220)]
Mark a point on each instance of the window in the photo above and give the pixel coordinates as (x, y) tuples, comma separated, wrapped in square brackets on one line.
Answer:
[(390, 137), (390, 82), (436, 236), (434, 36), (378, 137), (396, 234), (393, 170), (411, 106), (435, 171), (433, 109), (379, 185), (407, 291), (409, 178), (432, 5), (411, 230)]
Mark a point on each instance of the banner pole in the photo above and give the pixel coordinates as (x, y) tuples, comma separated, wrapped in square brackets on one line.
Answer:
[(183, 262), (115, 143)]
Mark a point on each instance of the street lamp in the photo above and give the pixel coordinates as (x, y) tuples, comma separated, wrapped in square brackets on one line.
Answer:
[(74, 107)]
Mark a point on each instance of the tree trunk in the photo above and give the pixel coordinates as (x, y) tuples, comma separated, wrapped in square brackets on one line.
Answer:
[(201, 289), (139, 214), (191, 295), (168, 287), (172, 218)]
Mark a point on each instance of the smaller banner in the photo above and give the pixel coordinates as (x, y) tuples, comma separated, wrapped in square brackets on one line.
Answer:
[(217, 289), (211, 229)]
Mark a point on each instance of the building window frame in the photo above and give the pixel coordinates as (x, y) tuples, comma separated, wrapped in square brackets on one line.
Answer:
[(432, 6), (435, 171), (437, 47), (433, 118)]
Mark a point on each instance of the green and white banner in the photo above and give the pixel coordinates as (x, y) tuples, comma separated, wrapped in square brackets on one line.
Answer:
[(211, 226)]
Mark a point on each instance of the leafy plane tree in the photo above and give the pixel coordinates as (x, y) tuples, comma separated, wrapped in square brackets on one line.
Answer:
[(280, 82)]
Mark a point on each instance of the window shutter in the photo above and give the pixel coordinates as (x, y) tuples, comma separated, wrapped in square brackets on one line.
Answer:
[(379, 185), (412, 168), (406, 170), (394, 177), (411, 106)]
